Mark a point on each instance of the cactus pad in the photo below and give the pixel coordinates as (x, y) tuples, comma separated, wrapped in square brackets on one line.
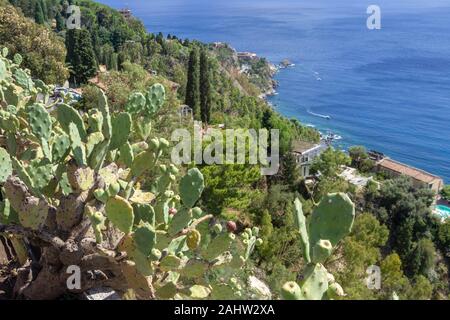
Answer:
[(120, 213), (191, 187), (121, 125), (145, 238), (315, 282), (155, 98), (66, 115), (180, 221), (5, 165), (40, 121), (332, 219)]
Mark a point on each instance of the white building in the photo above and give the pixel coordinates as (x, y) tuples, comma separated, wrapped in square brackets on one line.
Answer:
[(305, 153)]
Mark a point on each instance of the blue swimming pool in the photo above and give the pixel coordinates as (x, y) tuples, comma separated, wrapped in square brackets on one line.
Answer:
[(443, 211)]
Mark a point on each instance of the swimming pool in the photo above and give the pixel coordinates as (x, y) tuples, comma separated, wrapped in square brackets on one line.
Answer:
[(443, 211)]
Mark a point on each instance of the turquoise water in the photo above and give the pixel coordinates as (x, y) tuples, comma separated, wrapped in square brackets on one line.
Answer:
[(444, 211), (388, 89)]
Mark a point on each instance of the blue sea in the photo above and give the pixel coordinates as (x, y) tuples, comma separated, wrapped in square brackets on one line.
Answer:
[(387, 89)]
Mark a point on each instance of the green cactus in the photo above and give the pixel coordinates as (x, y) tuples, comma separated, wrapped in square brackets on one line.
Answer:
[(300, 222), (121, 124), (67, 115), (78, 148), (145, 238), (155, 98), (218, 245), (136, 103), (60, 148), (5, 165), (126, 154), (95, 120), (191, 187), (120, 213), (330, 221), (40, 121), (180, 221), (94, 139)]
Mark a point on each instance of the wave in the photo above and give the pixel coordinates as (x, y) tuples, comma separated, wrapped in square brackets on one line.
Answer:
[(324, 116)]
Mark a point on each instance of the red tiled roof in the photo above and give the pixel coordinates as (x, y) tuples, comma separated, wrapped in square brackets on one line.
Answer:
[(409, 171)]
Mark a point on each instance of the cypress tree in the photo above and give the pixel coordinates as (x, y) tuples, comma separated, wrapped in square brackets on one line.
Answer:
[(80, 55), (205, 88), (39, 13), (44, 9), (60, 23), (193, 84)]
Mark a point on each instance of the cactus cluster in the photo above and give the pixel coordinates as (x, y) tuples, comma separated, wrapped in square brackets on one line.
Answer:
[(62, 170), (330, 221)]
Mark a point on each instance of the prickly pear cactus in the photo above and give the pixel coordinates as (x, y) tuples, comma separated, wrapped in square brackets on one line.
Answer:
[(74, 183), (330, 221)]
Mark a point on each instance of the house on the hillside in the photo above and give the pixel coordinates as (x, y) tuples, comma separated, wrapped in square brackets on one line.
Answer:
[(420, 178), (126, 13), (186, 112), (305, 153)]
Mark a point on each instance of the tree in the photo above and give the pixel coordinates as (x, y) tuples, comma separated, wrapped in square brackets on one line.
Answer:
[(392, 277), (329, 162), (80, 55), (290, 172), (361, 249), (39, 13), (34, 43), (421, 290), (205, 88), (445, 193), (444, 235), (60, 23), (193, 84), (422, 258), (360, 158)]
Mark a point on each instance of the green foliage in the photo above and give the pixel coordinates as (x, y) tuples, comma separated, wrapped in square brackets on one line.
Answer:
[(362, 248), (42, 51), (445, 193), (360, 158), (329, 162)]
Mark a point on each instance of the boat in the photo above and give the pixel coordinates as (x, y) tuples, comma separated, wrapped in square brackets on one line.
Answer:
[(318, 114)]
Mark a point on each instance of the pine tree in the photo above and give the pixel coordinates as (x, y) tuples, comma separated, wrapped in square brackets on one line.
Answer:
[(205, 88), (38, 13), (193, 84), (80, 55)]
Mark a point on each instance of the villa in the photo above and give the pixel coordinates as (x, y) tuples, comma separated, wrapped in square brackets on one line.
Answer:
[(126, 13), (305, 153), (420, 178)]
